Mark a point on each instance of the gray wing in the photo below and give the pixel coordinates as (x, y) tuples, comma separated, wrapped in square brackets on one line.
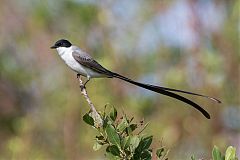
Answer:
[(87, 61)]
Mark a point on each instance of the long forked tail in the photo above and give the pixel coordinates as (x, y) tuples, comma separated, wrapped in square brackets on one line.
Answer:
[(165, 91)]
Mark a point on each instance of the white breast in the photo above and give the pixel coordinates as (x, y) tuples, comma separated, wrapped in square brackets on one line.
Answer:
[(66, 55)]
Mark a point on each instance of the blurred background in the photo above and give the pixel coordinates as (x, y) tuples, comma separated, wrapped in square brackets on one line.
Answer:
[(186, 44)]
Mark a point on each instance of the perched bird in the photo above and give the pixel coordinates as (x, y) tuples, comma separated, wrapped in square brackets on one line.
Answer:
[(85, 65)]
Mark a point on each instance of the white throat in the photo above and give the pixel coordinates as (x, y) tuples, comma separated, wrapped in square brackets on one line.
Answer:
[(62, 50)]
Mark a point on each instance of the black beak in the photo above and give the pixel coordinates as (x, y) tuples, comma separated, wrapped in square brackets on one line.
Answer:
[(53, 47)]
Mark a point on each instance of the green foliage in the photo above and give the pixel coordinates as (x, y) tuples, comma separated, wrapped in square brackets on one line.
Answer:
[(88, 119), (217, 155), (231, 153), (113, 137), (122, 138)]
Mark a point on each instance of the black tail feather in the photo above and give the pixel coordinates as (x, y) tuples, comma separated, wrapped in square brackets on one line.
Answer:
[(191, 93), (165, 91)]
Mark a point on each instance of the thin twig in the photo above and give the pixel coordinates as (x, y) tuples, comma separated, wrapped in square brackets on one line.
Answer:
[(98, 122)]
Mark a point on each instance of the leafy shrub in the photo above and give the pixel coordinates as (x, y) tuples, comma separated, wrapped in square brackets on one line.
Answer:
[(122, 137)]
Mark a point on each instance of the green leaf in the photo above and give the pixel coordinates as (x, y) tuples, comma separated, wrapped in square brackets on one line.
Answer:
[(113, 114), (230, 153), (113, 150), (193, 157), (125, 143), (146, 155), (123, 124), (144, 144), (96, 146), (88, 119), (159, 152), (134, 142), (216, 154), (113, 136)]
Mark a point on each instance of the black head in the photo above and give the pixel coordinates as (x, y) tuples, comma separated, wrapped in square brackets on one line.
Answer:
[(61, 43)]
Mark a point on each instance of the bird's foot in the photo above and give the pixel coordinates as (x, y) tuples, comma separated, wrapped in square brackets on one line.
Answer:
[(78, 76)]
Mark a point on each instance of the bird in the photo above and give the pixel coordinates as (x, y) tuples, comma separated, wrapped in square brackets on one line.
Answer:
[(84, 65)]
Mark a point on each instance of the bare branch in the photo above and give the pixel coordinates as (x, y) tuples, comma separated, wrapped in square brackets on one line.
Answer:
[(98, 122)]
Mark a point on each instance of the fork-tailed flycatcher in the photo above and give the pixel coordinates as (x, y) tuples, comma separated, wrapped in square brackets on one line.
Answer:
[(85, 65)]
